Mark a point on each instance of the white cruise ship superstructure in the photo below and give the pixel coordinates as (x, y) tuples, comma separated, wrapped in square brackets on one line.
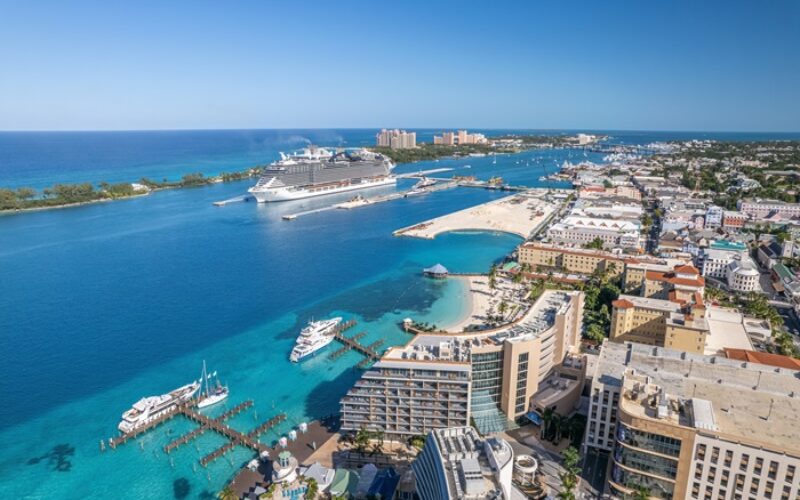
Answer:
[(317, 171), (150, 408), (314, 337)]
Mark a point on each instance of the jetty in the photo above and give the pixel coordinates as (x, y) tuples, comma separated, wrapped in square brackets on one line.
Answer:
[(206, 423), (202, 429)]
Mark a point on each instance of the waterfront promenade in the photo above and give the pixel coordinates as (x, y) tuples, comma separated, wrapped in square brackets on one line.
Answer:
[(519, 214)]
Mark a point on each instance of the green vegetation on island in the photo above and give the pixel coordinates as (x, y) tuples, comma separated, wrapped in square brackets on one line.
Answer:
[(427, 152), (63, 195)]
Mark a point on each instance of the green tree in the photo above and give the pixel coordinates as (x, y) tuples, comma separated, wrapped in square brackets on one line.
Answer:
[(362, 439), (25, 193), (312, 489), (569, 477), (227, 493), (596, 244)]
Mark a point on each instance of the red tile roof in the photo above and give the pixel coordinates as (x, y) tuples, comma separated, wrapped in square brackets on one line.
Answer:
[(763, 358), (622, 304)]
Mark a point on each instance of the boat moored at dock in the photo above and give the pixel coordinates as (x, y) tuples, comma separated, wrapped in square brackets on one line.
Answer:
[(210, 394), (150, 408), (314, 337)]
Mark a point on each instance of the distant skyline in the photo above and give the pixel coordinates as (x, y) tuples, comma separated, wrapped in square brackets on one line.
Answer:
[(677, 66)]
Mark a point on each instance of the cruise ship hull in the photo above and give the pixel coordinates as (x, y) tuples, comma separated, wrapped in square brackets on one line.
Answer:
[(271, 194)]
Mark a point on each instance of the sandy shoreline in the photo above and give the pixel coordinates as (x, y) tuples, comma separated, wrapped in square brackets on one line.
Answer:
[(518, 214), (477, 297)]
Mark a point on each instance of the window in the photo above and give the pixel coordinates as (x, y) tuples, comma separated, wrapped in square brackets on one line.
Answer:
[(701, 452)]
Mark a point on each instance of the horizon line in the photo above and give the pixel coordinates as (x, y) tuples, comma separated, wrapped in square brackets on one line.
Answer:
[(235, 129)]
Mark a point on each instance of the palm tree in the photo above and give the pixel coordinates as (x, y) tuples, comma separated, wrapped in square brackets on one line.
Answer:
[(547, 419), (227, 493), (362, 439)]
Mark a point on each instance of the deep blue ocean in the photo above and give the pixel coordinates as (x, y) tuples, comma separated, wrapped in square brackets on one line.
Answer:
[(105, 303)]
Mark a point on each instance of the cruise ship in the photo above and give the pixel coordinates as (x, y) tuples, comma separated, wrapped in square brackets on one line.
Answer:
[(317, 171), (314, 337), (150, 408)]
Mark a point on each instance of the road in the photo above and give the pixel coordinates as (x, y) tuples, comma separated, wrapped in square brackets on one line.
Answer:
[(525, 440)]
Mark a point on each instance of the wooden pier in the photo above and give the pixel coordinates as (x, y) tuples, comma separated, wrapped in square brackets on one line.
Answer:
[(200, 430), (218, 425)]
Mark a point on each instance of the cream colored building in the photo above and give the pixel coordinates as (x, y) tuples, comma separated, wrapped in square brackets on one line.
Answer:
[(576, 260), (459, 137), (680, 282), (396, 139), (681, 425), (659, 322)]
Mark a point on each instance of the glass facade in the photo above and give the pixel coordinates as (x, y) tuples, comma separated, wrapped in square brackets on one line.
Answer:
[(634, 468), (487, 374), (647, 441)]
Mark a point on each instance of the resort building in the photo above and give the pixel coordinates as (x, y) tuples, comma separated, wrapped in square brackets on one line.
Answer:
[(461, 137), (408, 397), (583, 230), (457, 464), (760, 209), (396, 139), (680, 425), (489, 376), (575, 260)]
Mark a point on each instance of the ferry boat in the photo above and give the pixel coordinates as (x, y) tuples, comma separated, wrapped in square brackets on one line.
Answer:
[(150, 408), (211, 394), (317, 171), (314, 337)]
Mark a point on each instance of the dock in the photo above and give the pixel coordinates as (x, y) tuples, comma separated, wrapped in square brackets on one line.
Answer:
[(202, 429), (206, 423)]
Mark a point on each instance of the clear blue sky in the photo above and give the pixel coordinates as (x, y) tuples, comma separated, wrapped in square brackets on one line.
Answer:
[(653, 65)]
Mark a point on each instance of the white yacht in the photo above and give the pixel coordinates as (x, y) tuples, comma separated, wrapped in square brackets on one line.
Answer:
[(210, 394), (314, 337), (150, 408)]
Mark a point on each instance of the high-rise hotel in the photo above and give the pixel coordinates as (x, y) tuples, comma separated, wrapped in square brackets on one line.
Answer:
[(489, 377)]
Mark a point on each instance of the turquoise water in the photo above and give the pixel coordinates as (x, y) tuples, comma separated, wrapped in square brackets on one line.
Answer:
[(103, 304)]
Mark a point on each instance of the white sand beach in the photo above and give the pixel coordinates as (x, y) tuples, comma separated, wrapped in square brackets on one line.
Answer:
[(518, 214)]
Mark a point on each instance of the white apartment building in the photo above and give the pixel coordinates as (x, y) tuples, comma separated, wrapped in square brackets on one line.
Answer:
[(742, 275), (457, 464), (682, 425), (734, 266), (583, 230), (759, 209)]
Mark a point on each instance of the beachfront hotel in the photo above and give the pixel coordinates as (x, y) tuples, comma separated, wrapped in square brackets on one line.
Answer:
[(490, 376), (396, 139), (682, 425), (457, 464)]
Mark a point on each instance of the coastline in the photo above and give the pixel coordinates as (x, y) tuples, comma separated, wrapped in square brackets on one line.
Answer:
[(209, 181), (476, 299), (519, 214)]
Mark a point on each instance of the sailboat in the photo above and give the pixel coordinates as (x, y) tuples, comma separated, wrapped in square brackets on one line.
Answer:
[(211, 394), (494, 160)]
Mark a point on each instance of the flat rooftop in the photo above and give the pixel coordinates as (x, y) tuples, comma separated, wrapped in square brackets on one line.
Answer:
[(456, 347), (754, 403), (727, 328), (466, 460)]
